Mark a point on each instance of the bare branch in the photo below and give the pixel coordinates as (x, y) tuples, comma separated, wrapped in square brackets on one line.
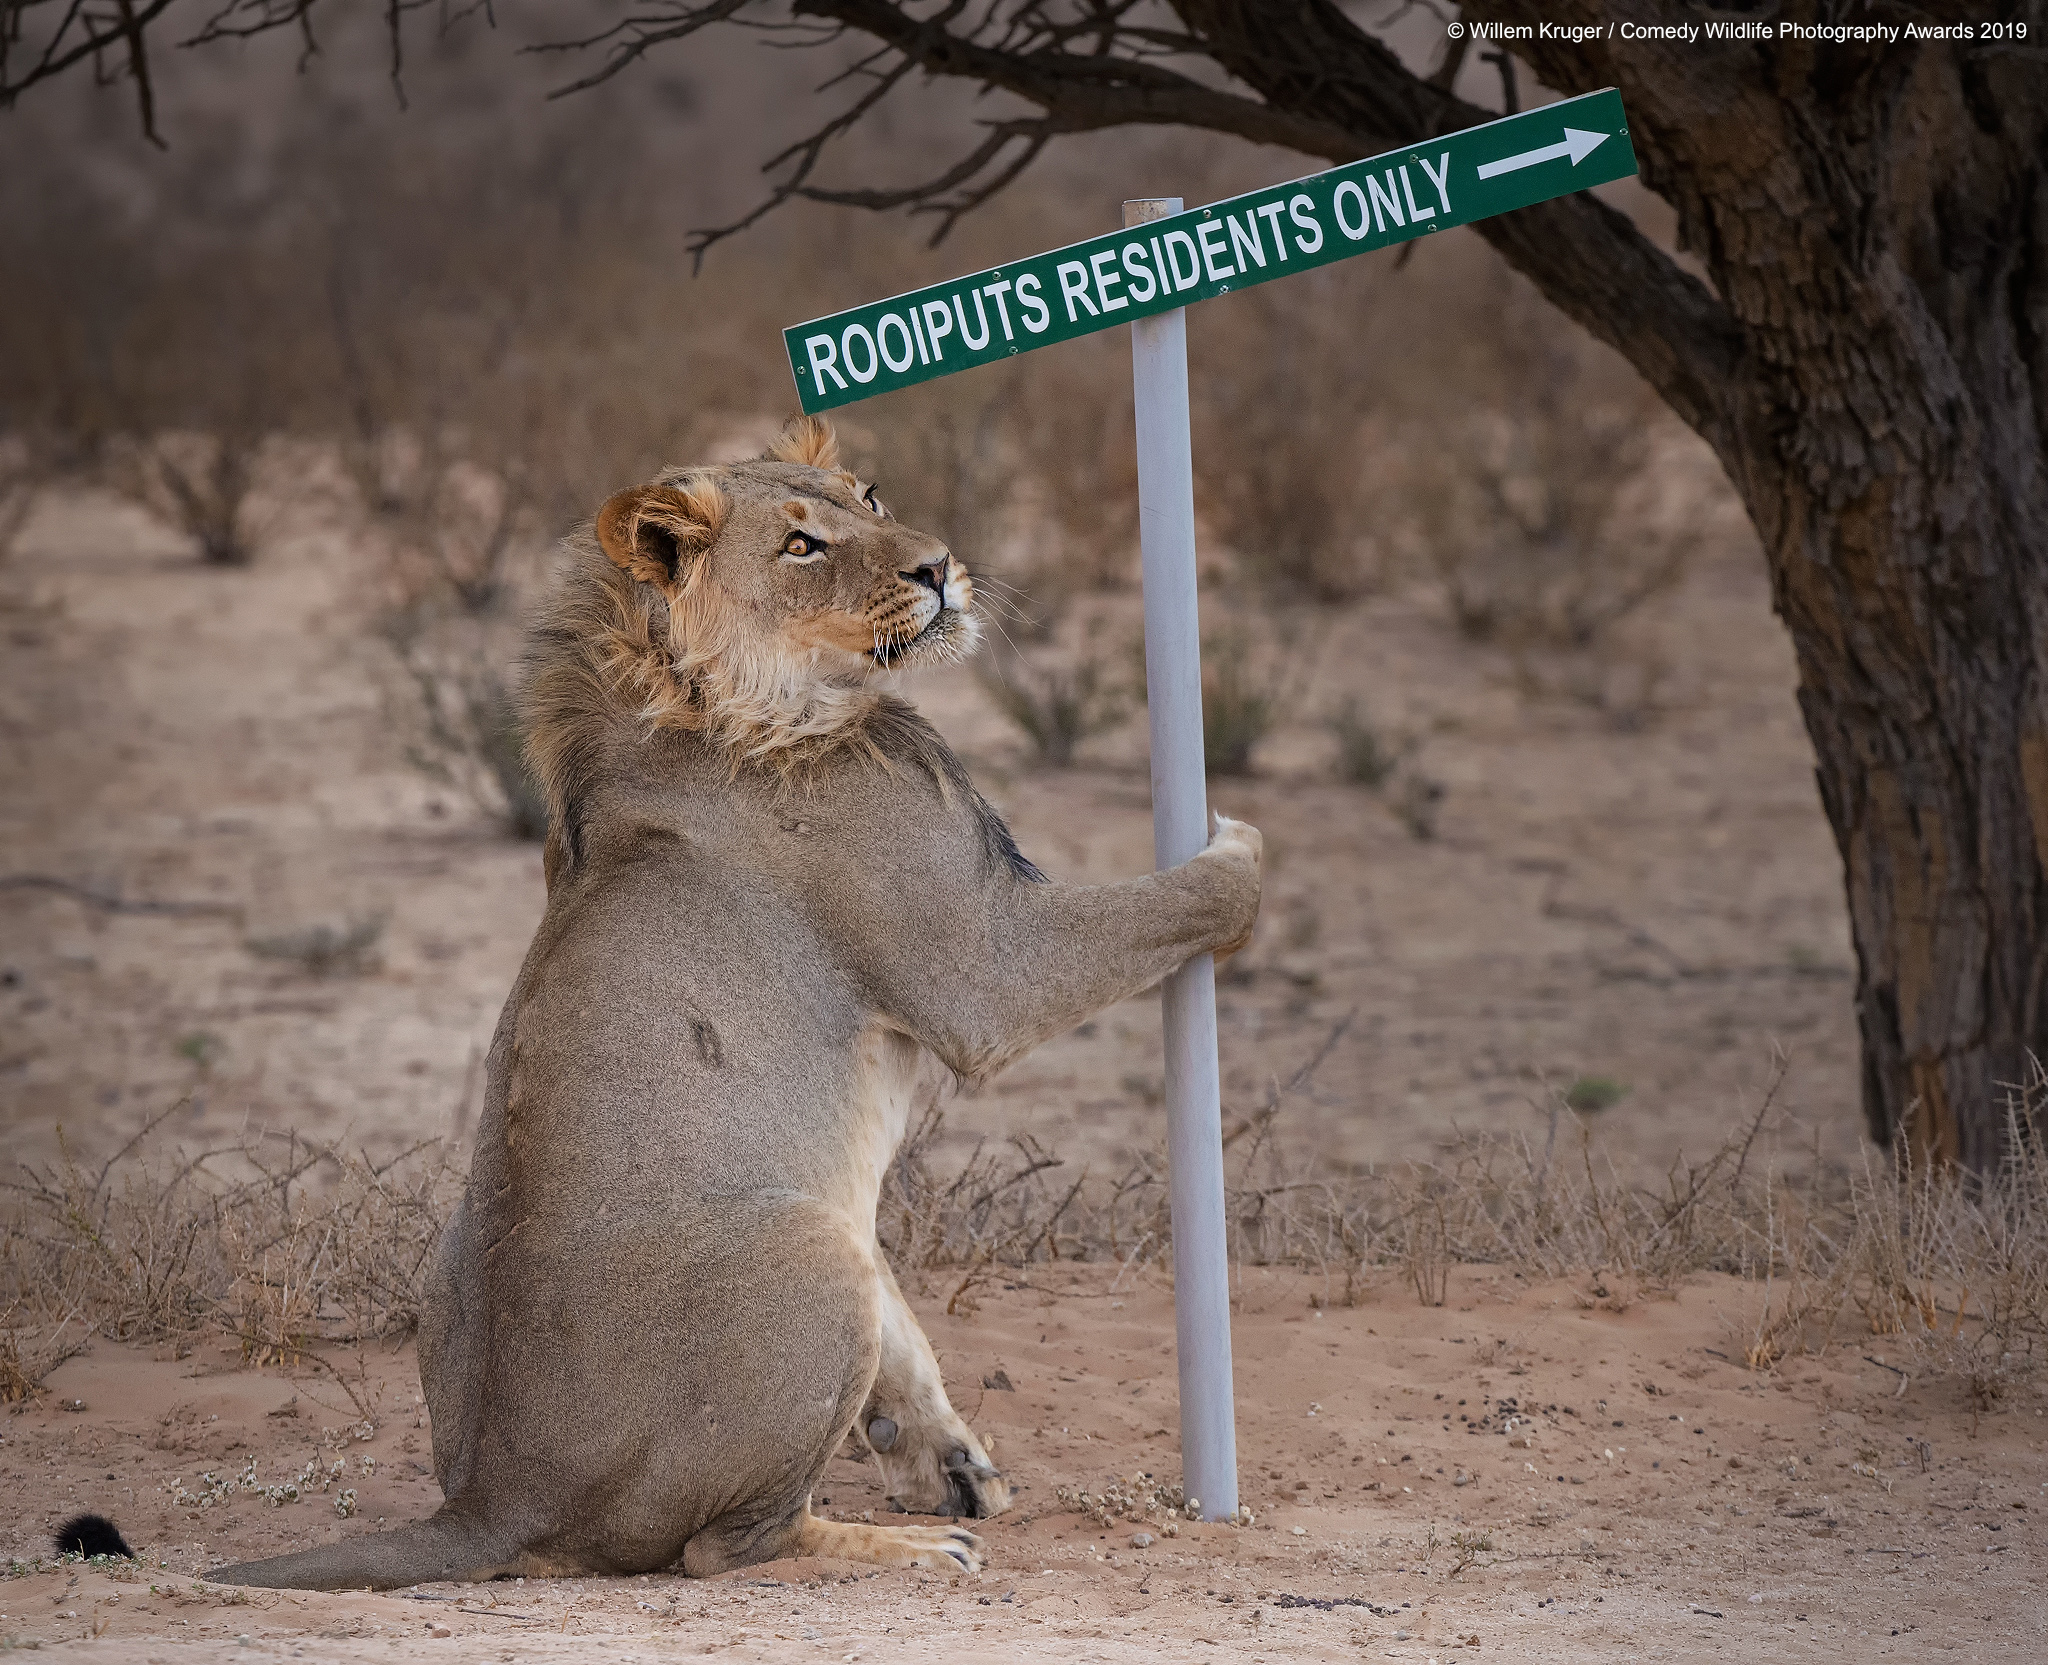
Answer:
[(138, 67), (632, 37), (81, 36)]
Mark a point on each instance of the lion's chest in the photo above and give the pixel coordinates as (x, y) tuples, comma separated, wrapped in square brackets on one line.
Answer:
[(884, 1082)]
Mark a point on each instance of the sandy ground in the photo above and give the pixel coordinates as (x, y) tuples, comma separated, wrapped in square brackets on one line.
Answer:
[(1623, 1493)]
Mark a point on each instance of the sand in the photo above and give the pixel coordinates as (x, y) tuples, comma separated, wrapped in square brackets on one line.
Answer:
[(1624, 1493)]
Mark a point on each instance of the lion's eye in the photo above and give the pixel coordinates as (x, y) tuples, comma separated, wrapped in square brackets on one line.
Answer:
[(799, 546), (875, 503)]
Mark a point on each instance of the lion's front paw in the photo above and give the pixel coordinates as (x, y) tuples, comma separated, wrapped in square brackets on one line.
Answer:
[(1236, 838), (1239, 843), (938, 1470)]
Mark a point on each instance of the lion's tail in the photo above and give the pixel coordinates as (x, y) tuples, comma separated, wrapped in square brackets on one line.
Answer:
[(445, 1546)]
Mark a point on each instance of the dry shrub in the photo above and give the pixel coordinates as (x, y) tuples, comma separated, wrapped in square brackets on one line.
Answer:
[(1534, 476), (1955, 1269), (1247, 687), (1055, 704), (1536, 521), (1418, 803), (22, 1372), (1367, 754), (484, 326), (202, 484), (995, 1209), (1371, 757), (449, 523), (25, 469), (321, 949), (279, 1244), (1239, 704), (457, 716), (1283, 400)]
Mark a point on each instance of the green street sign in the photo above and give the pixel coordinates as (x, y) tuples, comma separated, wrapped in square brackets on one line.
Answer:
[(1205, 252)]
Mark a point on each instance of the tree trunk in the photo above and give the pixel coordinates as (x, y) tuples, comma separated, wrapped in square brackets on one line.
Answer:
[(1876, 222), (1906, 521)]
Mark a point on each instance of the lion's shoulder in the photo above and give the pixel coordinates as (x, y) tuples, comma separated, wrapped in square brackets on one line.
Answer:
[(901, 736)]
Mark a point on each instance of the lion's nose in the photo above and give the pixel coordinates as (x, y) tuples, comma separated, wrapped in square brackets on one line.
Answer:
[(931, 574)]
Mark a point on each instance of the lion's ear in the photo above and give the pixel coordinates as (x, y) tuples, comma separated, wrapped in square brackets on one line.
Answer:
[(657, 532), (808, 440)]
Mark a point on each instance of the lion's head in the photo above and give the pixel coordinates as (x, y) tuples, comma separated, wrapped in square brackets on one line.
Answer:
[(750, 602), (793, 563)]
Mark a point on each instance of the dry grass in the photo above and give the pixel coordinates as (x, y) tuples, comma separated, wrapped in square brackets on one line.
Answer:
[(1954, 1273), (1951, 1277), (293, 1249), (286, 1247)]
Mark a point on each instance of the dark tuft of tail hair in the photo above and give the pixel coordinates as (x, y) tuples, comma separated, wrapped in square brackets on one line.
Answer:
[(91, 1535)]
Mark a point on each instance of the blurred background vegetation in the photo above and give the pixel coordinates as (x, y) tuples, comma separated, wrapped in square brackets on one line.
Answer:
[(453, 322)]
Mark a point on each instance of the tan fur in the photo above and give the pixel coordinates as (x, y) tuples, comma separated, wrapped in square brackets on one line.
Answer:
[(773, 896), (783, 676), (809, 440)]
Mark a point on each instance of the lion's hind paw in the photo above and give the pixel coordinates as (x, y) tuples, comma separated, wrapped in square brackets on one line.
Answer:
[(939, 1548)]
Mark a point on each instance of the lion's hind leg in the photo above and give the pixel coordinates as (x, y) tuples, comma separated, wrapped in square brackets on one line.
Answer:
[(744, 1542), (942, 1548)]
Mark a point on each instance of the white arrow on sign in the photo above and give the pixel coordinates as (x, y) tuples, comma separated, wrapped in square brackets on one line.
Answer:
[(1577, 143)]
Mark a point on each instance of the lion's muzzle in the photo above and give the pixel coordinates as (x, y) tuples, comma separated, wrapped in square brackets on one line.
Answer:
[(931, 574)]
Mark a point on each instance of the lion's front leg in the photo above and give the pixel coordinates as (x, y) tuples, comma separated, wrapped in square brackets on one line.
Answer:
[(931, 1462), (1004, 964)]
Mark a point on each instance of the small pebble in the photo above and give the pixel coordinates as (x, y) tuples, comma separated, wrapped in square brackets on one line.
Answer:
[(1141, 1540), (440, 1630)]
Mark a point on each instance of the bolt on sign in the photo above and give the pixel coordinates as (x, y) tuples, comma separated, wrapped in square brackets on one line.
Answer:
[(1206, 252)]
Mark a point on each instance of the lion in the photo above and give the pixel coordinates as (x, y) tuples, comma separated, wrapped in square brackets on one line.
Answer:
[(660, 1307)]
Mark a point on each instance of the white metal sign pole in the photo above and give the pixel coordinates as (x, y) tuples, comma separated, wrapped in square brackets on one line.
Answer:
[(1180, 816)]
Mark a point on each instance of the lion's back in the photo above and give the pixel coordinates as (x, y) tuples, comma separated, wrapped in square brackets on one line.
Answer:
[(676, 1028)]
